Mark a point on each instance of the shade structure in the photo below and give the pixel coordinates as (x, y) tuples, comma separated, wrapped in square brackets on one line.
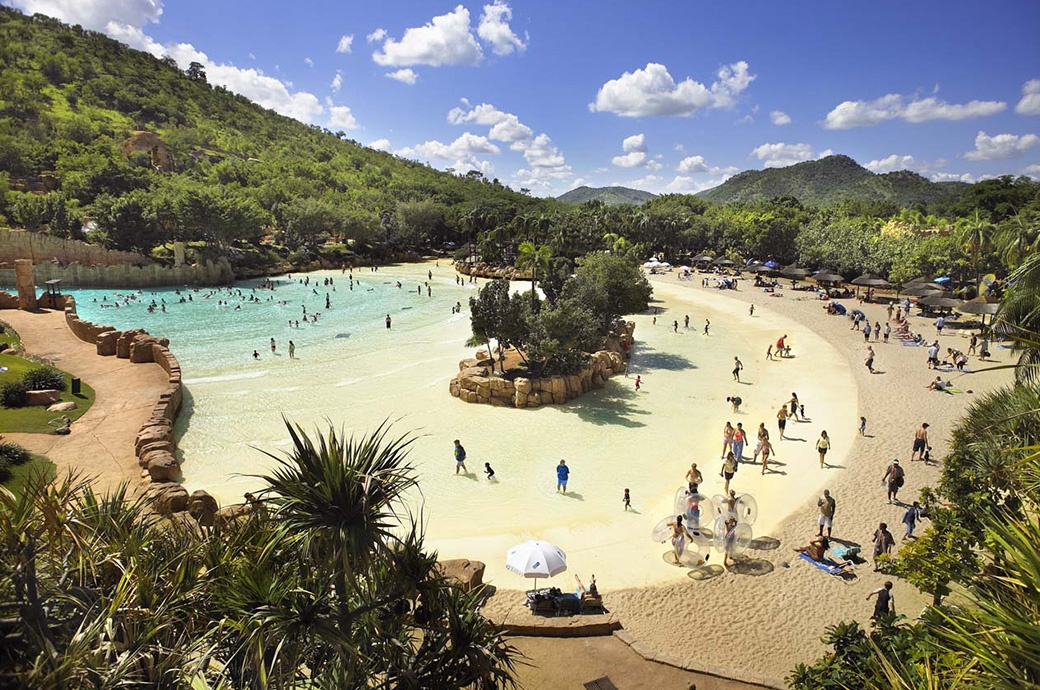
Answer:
[(871, 280), (793, 271), (700, 258), (926, 289), (723, 261), (981, 306), (760, 268), (828, 277), (939, 300), (535, 559)]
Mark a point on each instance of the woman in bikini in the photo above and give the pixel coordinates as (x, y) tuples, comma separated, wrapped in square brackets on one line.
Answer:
[(767, 448), (727, 439), (678, 537)]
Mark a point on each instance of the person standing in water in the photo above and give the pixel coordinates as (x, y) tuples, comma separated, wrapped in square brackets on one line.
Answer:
[(273, 346), (292, 350), (388, 321), (563, 474), (460, 457)]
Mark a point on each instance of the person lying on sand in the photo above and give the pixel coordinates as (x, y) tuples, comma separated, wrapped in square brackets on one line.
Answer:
[(818, 549)]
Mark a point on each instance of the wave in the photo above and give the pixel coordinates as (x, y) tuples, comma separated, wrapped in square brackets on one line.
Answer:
[(227, 377)]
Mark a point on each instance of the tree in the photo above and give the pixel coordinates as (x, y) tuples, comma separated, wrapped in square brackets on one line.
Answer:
[(497, 315), (609, 287), (562, 335), (975, 233), (533, 258), (129, 222), (196, 72)]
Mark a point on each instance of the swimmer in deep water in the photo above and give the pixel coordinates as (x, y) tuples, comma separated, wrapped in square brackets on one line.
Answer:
[(256, 355)]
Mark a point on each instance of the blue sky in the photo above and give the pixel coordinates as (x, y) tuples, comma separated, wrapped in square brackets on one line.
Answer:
[(663, 96)]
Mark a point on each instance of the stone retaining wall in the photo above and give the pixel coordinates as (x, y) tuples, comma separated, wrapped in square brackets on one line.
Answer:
[(18, 244), (127, 276), (483, 270)]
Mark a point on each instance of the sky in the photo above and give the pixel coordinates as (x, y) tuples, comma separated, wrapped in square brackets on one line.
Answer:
[(660, 96)]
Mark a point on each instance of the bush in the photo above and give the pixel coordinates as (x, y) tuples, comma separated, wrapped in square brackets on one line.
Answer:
[(44, 378), (13, 453), (12, 394), (5, 470)]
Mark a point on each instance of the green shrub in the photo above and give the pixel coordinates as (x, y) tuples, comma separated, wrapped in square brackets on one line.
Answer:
[(44, 378), (13, 453), (5, 470), (12, 394)]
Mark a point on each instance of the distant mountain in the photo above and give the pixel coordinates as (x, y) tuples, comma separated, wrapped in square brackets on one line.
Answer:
[(830, 180), (608, 195)]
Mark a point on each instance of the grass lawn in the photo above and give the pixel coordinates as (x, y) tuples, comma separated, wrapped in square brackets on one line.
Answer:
[(33, 420), (20, 474)]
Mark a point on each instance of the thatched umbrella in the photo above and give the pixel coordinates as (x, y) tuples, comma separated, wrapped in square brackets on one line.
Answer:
[(925, 289), (702, 258), (793, 271), (828, 277), (981, 306), (723, 261), (759, 268), (938, 300), (870, 280)]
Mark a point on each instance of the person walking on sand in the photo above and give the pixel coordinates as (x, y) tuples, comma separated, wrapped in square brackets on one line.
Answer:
[(822, 446), (729, 468), (707, 326), (920, 442), (769, 352), (639, 380), (765, 448), (627, 500), (781, 420), (886, 602), (827, 506), (675, 326), (292, 350), (883, 543), (563, 473), (940, 323), (763, 435), (751, 310), (460, 457), (727, 439), (737, 366), (910, 517), (877, 330), (862, 426), (888, 330), (866, 332), (869, 361), (693, 479), (678, 537), (739, 438), (893, 479), (686, 321)]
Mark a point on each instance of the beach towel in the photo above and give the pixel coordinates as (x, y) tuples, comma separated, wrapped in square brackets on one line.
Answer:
[(830, 567), (952, 391), (910, 343), (846, 552)]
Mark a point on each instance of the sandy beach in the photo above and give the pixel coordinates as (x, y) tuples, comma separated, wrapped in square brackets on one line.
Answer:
[(761, 619)]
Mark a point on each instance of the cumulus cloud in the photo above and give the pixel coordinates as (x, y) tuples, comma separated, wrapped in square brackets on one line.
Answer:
[(307, 61), (1032, 170), (892, 163), (466, 146), (445, 40), (653, 91), (954, 177), (654, 165), (340, 117), (405, 76), (692, 165), (381, 145), (504, 126), (779, 117), (376, 36), (682, 184), (634, 148), (780, 155), (851, 114), (1001, 146), (494, 29), (634, 143), (95, 14), (345, 44), (1030, 103), (337, 82)]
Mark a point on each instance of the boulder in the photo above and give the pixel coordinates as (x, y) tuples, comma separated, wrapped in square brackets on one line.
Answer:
[(42, 397), (463, 573), (522, 385), (162, 466), (168, 498), (153, 430), (228, 514), (520, 399), (106, 343), (203, 507), (62, 407), (501, 401)]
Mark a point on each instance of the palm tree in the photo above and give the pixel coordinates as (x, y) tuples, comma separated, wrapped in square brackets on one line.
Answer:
[(535, 258), (1017, 239), (974, 233)]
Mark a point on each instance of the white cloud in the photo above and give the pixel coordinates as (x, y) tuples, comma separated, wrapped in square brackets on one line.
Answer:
[(993, 148), (445, 40), (680, 148), (95, 14), (504, 126), (653, 91), (405, 76), (345, 44), (892, 163), (646, 183), (1032, 170), (653, 166), (466, 146), (634, 143), (601, 170), (307, 61), (780, 154), (494, 29), (824, 153), (376, 36), (340, 117), (779, 117), (381, 145), (1030, 103), (629, 160), (681, 184), (954, 177), (337, 82), (692, 165), (893, 106), (251, 56)]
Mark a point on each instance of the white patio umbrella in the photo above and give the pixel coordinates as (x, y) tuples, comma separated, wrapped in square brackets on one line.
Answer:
[(535, 559)]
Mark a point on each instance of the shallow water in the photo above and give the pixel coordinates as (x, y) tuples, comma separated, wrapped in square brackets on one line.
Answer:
[(612, 439)]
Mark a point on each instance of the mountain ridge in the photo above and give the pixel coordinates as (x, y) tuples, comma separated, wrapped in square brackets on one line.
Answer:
[(608, 195)]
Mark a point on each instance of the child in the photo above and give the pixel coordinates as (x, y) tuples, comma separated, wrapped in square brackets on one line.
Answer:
[(639, 380), (627, 500), (801, 411), (489, 471), (862, 426)]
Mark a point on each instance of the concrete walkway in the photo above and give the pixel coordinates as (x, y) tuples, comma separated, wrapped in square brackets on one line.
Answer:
[(101, 444)]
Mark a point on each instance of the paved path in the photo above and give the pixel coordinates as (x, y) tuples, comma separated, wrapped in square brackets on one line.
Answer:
[(101, 444)]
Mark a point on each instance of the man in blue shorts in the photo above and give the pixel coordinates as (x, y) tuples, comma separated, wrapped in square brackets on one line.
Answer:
[(562, 473), (460, 457)]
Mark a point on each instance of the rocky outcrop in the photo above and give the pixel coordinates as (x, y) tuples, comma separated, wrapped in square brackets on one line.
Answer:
[(42, 397), (465, 574), (150, 143), (203, 508), (477, 383), (168, 498), (483, 270)]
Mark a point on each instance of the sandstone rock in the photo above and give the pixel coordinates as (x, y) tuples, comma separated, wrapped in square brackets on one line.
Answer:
[(152, 431), (467, 575), (42, 397), (168, 498), (62, 407), (125, 340), (522, 385), (482, 354), (483, 390), (203, 507), (163, 467), (106, 343), (229, 514), (520, 399), (501, 401)]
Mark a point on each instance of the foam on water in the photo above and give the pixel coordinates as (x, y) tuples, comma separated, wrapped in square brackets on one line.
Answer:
[(612, 439)]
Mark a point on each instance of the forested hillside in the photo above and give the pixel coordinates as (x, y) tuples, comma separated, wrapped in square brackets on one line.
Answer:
[(610, 196), (831, 180)]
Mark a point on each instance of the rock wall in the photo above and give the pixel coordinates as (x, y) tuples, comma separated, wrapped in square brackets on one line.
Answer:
[(17, 244), (127, 276), (8, 301), (483, 270), (475, 384)]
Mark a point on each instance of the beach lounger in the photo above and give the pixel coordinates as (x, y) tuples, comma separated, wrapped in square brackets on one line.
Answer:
[(830, 567)]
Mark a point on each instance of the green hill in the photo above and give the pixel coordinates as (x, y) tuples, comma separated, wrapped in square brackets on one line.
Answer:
[(610, 196), (78, 111), (830, 180)]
